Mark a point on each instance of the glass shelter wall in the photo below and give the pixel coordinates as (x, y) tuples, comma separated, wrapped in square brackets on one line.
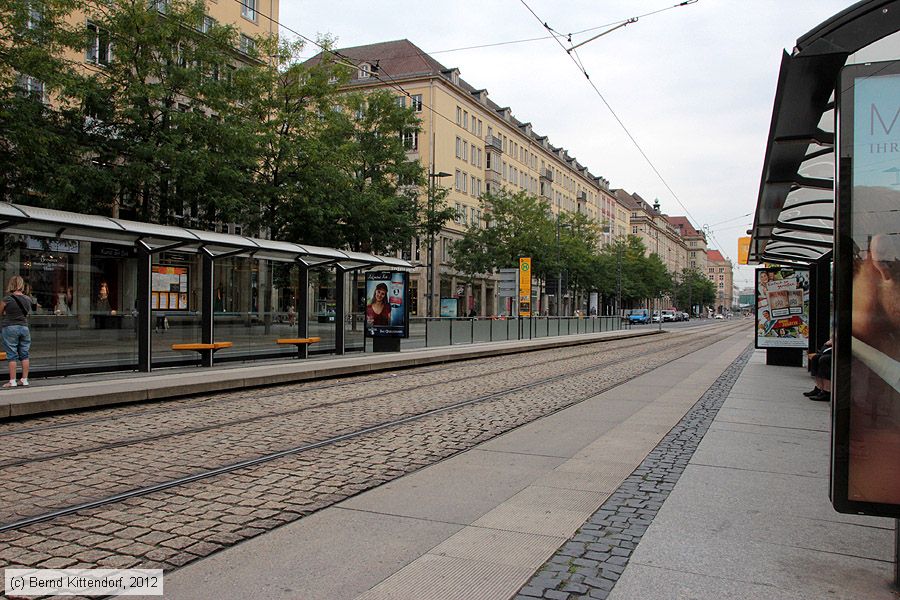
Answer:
[(84, 296)]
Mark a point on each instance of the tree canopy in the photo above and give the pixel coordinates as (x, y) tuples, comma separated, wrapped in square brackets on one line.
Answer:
[(173, 118)]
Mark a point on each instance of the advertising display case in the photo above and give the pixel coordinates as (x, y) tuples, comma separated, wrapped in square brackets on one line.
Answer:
[(387, 304), (782, 308), (866, 384)]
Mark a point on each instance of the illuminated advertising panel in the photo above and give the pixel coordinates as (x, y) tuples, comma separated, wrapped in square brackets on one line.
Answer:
[(866, 386), (387, 304), (169, 287), (782, 308)]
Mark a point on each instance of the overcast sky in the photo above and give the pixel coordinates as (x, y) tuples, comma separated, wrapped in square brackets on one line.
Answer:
[(693, 85)]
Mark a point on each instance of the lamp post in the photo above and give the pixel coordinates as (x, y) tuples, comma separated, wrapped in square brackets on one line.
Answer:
[(432, 229)]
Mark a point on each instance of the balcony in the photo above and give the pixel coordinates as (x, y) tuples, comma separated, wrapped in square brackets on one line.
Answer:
[(493, 176), (547, 174), (493, 142), (582, 196)]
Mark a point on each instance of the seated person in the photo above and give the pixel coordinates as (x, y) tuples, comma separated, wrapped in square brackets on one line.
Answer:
[(820, 369)]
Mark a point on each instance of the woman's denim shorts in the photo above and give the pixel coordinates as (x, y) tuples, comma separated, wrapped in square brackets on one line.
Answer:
[(16, 342)]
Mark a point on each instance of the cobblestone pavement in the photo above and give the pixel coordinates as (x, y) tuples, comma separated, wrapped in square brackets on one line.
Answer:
[(55, 468), (590, 564), (170, 528)]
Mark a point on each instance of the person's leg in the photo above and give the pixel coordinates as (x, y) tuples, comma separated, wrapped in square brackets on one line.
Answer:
[(9, 338), (24, 354)]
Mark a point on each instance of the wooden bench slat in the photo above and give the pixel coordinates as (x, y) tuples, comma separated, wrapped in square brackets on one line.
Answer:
[(309, 340), (213, 346)]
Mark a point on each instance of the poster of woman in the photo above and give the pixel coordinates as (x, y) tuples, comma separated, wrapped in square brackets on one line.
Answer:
[(387, 313)]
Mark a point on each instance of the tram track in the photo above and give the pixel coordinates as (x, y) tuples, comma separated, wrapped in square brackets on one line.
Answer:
[(192, 403), (368, 430), (318, 405)]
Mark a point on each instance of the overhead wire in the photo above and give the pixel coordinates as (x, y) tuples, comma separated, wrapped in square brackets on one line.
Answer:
[(619, 120)]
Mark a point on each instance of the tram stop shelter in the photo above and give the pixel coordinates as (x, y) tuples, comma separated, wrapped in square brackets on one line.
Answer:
[(829, 201), (113, 294)]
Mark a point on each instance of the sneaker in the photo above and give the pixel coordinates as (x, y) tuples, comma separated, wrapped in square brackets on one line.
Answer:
[(814, 392), (23, 382), (10, 384), (821, 397)]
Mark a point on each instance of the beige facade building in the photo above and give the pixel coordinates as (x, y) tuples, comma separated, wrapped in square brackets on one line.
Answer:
[(695, 241), (472, 145), (720, 272), (659, 235)]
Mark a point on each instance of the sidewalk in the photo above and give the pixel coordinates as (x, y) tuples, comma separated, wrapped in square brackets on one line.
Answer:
[(748, 518)]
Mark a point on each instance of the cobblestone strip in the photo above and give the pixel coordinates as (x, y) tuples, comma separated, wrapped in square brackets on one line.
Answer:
[(172, 528), (590, 564)]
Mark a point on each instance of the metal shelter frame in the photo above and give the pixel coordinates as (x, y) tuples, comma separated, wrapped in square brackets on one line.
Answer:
[(149, 239)]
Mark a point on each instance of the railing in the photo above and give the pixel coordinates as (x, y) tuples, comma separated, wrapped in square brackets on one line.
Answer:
[(494, 142), (448, 331)]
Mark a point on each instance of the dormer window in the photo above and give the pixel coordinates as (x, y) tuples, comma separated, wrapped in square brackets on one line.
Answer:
[(365, 71)]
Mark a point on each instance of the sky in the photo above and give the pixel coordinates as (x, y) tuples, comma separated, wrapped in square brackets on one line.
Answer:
[(693, 85)]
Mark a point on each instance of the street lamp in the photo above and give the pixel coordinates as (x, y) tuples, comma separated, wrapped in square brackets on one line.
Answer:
[(432, 229), (559, 265)]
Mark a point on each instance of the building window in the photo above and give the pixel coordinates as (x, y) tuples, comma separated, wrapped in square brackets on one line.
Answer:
[(634, 229), (34, 16), (458, 116), (411, 140), (472, 189), (474, 156), (401, 101), (248, 44), (416, 102), (32, 87), (465, 182), (365, 70), (98, 45), (465, 122), (248, 9), (480, 123), (456, 182), (207, 24), (473, 219), (160, 5), (465, 151), (459, 213), (458, 147)]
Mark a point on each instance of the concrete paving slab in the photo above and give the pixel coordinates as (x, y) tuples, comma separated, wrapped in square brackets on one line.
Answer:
[(499, 547), (300, 559), (640, 582), (785, 453), (448, 578), (812, 573), (457, 491)]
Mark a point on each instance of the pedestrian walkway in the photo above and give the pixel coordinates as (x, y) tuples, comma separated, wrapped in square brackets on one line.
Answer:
[(745, 516)]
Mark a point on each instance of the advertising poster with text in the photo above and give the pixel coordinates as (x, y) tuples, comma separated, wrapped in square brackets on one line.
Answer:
[(387, 307), (782, 308), (872, 248)]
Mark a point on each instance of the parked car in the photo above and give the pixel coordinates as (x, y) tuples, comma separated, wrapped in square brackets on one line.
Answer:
[(668, 316), (655, 317), (638, 315), (719, 316)]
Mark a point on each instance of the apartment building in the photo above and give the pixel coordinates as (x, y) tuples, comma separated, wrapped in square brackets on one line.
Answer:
[(658, 234), (720, 272), (472, 145), (695, 241)]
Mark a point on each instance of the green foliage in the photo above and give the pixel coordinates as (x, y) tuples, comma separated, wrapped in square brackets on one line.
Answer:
[(694, 288), (179, 123), (517, 224)]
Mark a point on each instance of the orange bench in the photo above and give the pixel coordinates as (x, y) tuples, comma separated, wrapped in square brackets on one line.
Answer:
[(299, 342), (203, 348)]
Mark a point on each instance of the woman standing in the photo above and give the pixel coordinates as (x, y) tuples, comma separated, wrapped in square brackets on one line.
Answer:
[(15, 307)]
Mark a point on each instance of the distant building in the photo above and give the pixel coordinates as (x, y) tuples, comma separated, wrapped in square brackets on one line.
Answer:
[(720, 272)]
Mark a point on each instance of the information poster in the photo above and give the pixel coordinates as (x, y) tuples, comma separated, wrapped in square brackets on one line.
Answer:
[(525, 287), (866, 386), (169, 287), (782, 308), (449, 307), (387, 304)]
